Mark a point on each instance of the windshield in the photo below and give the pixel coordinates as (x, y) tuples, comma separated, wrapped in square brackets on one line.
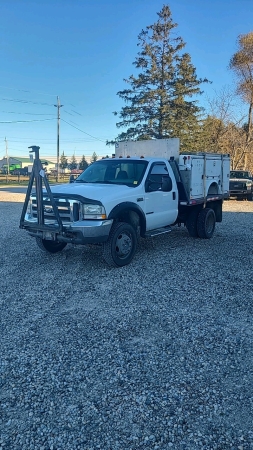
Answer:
[(240, 174), (114, 171)]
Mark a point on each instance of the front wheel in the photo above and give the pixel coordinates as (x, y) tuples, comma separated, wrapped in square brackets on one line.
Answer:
[(206, 223), (50, 246), (250, 197), (120, 248)]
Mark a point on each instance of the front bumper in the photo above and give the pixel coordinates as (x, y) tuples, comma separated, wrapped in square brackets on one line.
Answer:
[(241, 193), (80, 232)]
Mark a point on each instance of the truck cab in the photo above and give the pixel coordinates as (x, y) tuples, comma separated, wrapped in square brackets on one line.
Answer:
[(241, 184)]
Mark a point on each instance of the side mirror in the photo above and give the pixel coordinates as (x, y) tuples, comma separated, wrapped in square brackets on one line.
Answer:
[(166, 183), (72, 178)]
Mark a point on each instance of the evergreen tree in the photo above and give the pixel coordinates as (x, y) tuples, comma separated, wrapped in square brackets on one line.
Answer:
[(63, 162), (73, 163), (83, 163), (161, 97), (94, 157)]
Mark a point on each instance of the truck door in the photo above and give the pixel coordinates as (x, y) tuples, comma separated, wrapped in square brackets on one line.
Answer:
[(161, 208)]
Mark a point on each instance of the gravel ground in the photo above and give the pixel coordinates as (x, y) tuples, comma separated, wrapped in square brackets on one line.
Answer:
[(154, 355)]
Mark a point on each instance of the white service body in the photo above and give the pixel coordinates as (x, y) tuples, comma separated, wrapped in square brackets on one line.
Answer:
[(205, 174)]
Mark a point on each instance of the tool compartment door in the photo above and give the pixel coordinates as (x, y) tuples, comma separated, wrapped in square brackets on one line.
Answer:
[(205, 170)]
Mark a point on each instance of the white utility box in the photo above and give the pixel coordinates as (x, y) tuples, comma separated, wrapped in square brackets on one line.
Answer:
[(153, 148), (204, 173)]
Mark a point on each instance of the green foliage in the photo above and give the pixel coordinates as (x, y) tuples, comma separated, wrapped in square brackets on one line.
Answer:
[(160, 100), (63, 162), (73, 163), (83, 163), (211, 135), (94, 157)]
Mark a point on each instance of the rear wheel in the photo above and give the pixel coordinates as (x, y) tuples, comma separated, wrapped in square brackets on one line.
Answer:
[(206, 223), (120, 247), (50, 246)]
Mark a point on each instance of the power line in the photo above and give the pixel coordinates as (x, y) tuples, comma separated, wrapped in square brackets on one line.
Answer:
[(16, 100), (68, 113), (25, 121), (76, 112), (50, 140), (27, 91), (71, 122), (97, 139), (30, 114), (26, 101)]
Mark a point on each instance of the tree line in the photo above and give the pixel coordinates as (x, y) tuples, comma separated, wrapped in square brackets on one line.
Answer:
[(161, 98), (73, 164)]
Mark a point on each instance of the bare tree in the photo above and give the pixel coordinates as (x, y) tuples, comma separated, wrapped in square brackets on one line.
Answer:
[(241, 64), (224, 129)]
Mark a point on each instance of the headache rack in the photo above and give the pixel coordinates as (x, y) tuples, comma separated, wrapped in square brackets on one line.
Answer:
[(38, 174)]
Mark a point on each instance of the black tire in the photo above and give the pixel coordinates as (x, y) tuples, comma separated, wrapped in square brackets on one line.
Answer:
[(191, 223), (50, 246), (206, 223), (250, 197), (120, 248)]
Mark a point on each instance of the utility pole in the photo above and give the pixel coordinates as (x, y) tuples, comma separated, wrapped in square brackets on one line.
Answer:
[(58, 106), (7, 157)]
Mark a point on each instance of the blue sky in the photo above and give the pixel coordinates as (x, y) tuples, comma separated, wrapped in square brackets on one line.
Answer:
[(82, 50)]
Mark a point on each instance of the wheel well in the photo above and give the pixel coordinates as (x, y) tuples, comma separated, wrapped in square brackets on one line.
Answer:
[(213, 189), (133, 218)]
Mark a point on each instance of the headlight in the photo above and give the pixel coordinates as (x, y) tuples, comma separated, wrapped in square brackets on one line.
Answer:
[(93, 212)]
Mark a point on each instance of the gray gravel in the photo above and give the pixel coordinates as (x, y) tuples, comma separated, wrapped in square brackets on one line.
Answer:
[(155, 355)]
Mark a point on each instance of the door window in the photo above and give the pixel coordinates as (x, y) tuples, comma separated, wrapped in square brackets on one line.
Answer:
[(156, 174)]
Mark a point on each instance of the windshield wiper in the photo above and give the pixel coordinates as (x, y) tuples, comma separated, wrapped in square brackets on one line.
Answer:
[(107, 182), (102, 182)]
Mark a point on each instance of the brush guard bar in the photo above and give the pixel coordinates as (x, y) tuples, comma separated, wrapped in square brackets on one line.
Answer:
[(38, 174)]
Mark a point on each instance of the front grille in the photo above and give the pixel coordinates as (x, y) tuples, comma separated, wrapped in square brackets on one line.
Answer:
[(234, 185), (68, 210)]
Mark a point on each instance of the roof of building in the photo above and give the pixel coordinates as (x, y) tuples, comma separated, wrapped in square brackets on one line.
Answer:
[(27, 160)]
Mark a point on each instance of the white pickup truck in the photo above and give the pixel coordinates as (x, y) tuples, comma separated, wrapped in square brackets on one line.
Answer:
[(141, 191)]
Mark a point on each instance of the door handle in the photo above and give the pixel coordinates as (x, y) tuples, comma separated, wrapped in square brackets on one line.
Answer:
[(174, 195)]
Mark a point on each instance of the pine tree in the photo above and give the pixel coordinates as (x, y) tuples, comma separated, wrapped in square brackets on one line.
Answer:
[(161, 97), (64, 162), (83, 163), (94, 157), (73, 163)]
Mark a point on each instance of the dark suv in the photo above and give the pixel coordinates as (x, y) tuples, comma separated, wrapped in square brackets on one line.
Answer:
[(241, 184), (21, 171)]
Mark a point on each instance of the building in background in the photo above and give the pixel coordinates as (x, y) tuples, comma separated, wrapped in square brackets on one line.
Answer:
[(14, 163)]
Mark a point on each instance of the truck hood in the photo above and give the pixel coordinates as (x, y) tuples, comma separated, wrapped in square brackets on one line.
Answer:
[(241, 179), (93, 191)]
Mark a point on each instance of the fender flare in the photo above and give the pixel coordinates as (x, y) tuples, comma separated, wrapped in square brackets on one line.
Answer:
[(127, 207)]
